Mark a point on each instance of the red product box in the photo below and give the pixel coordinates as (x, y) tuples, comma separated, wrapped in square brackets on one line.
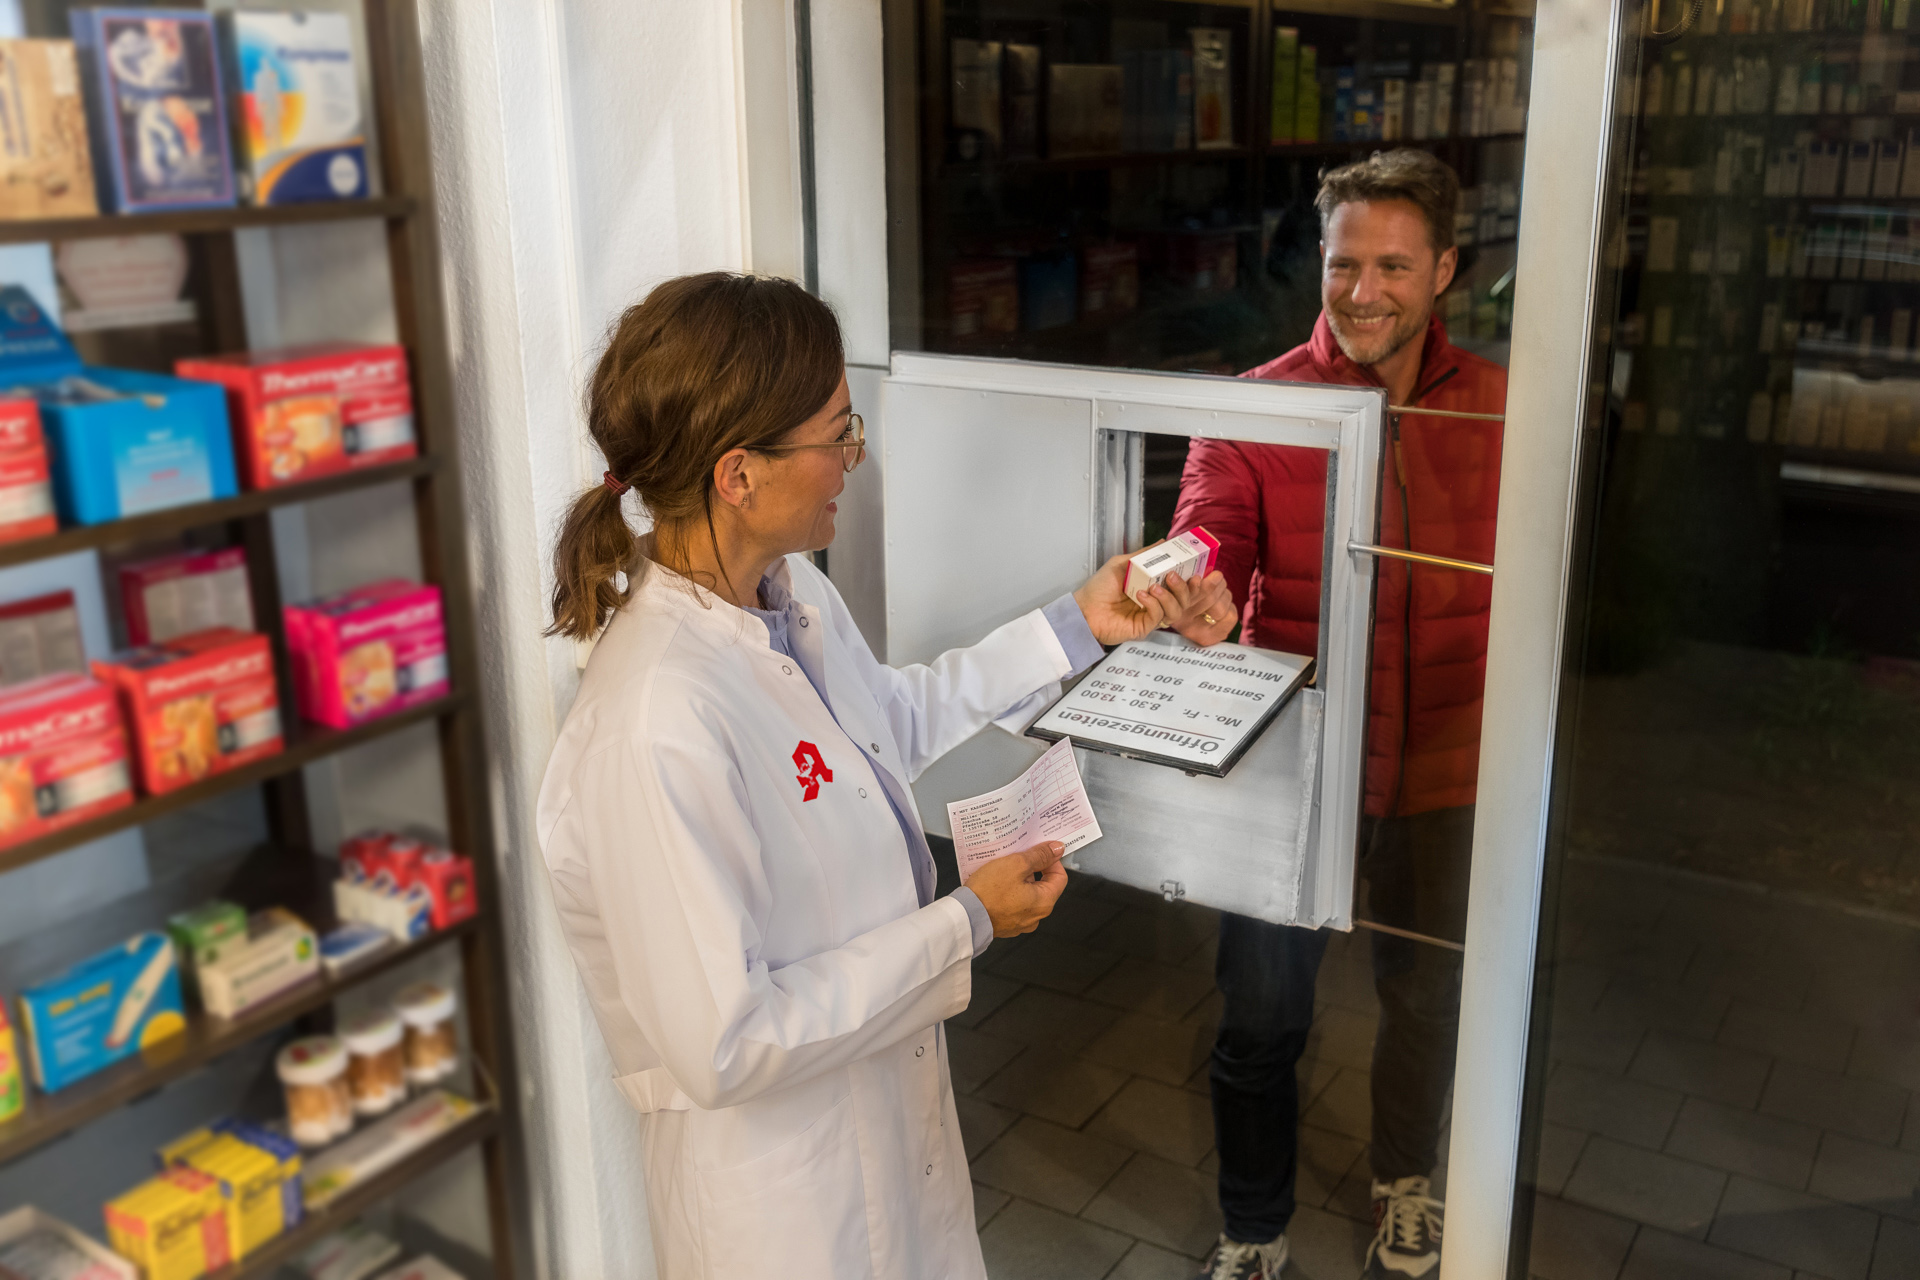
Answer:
[(308, 412), (188, 591), (369, 652), (40, 636), (198, 705), (445, 875), (1109, 279), (448, 879), (983, 296), (26, 491), (63, 755)]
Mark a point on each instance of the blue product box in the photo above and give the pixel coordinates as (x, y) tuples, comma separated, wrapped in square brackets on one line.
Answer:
[(102, 1010), (122, 442), (1049, 290), (282, 1148), (156, 109)]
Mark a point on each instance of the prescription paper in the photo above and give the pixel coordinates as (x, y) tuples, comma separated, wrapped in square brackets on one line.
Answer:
[(1047, 802)]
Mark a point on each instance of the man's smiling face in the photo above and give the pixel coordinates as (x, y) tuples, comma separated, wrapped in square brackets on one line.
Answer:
[(1379, 276)]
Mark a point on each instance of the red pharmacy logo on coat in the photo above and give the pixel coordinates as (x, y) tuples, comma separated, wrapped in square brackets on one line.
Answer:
[(813, 770)]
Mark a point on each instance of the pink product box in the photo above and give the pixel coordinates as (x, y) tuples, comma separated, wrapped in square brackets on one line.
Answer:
[(1190, 554), (368, 652)]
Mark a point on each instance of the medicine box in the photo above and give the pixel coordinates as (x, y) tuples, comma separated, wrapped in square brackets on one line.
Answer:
[(46, 169), (250, 1184), (13, 1086), (983, 297), (367, 653), (404, 911), (309, 412), (1109, 278), (279, 951), (172, 1226), (284, 1151), (40, 636), (122, 442), (35, 1243), (298, 131), (26, 478), (1190, 555), (103, 1009), (155, 108), (189, 591), (63, 756), (202, 934), (200, 704)]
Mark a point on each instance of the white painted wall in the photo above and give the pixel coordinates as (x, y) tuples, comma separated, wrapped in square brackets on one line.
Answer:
[(584, 150)]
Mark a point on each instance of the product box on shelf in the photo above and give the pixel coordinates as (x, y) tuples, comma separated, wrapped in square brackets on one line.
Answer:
[(200, 704), (26, 476), (172, 1226), (298, 131), (122, 442), (63, 756), (1306, 119), (172, 595), (1286, 82), (1084, 109), (1212, 87), (40, 636), (404, 911), (369, 652), (284, 1150), (278, 952), (1157, 114), (155, 108), (1109, 278), (383, 1144), (974, 99), (251, 1184), (35, 1244), (13, 1085), (380, 863), (1049, 290), (201, 935), (983, 297), (307, 412), (46, 168), (105, 1008), (1201, 261)]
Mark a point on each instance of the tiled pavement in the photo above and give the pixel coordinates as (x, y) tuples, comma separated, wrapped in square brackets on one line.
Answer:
[(1728, 1096)]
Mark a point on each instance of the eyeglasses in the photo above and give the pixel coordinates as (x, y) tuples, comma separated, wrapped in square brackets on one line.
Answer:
[(852, 441)]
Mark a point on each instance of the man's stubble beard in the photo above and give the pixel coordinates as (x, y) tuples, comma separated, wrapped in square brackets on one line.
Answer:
[(1385, 348)]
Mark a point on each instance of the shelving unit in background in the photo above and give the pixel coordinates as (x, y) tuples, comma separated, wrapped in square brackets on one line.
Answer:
[(964, 206), (291, 869), (1260, 191)]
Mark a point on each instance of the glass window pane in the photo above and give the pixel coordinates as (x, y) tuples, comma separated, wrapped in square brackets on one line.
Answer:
[(1133, 184), (1721, 1072)]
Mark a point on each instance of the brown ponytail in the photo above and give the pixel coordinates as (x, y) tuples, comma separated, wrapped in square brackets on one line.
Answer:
[(706, 364)]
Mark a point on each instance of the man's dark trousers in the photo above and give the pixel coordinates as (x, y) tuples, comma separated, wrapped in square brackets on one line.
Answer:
[(1416, 873)]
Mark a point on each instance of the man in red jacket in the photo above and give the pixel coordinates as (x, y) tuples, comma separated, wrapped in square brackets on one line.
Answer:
[(1387, 255)]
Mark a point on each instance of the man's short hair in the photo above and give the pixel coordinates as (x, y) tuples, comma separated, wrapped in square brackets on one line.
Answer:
[(1405, 173)]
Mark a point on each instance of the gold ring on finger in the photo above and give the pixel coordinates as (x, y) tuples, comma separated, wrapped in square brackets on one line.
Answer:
[(1211, 620)]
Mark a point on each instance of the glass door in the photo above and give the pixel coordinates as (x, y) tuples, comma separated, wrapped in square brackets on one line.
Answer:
[(1725, 1052), (1132, 184)]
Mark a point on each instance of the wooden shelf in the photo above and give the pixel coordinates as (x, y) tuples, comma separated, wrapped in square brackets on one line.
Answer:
[(957, 171), (313, 743), (190, 221), (349, 1205), (49, 1116), (1378, 10), (200, 514)]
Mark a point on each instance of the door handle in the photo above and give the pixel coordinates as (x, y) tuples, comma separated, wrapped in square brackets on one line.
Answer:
[(1418, 557)]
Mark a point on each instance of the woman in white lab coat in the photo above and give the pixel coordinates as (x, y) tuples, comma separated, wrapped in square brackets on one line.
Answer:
[(734, 850)]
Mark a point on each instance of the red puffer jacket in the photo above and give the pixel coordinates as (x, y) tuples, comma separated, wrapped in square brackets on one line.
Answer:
[(1266, 504)]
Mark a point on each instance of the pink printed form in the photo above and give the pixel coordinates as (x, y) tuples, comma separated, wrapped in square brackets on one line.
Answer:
[(1047, 802)]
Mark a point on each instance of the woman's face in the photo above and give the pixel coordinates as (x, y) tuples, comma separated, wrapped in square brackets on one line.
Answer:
[(794, 500)]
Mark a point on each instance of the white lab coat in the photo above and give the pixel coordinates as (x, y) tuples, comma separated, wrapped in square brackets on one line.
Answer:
[(766, 981)]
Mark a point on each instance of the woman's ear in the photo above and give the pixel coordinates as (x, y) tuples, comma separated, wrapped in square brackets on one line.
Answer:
[(731, 482)]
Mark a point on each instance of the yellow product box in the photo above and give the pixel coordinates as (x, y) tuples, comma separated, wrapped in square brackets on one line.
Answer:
[(173, 1227), (249, 1181), (13, 1088)]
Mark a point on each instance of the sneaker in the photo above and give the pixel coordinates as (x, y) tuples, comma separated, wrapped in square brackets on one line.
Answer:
[(1237, 1260), (1406, 1230)]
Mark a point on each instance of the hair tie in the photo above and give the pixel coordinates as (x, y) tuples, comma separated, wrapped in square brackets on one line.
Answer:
[(619, 489)]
